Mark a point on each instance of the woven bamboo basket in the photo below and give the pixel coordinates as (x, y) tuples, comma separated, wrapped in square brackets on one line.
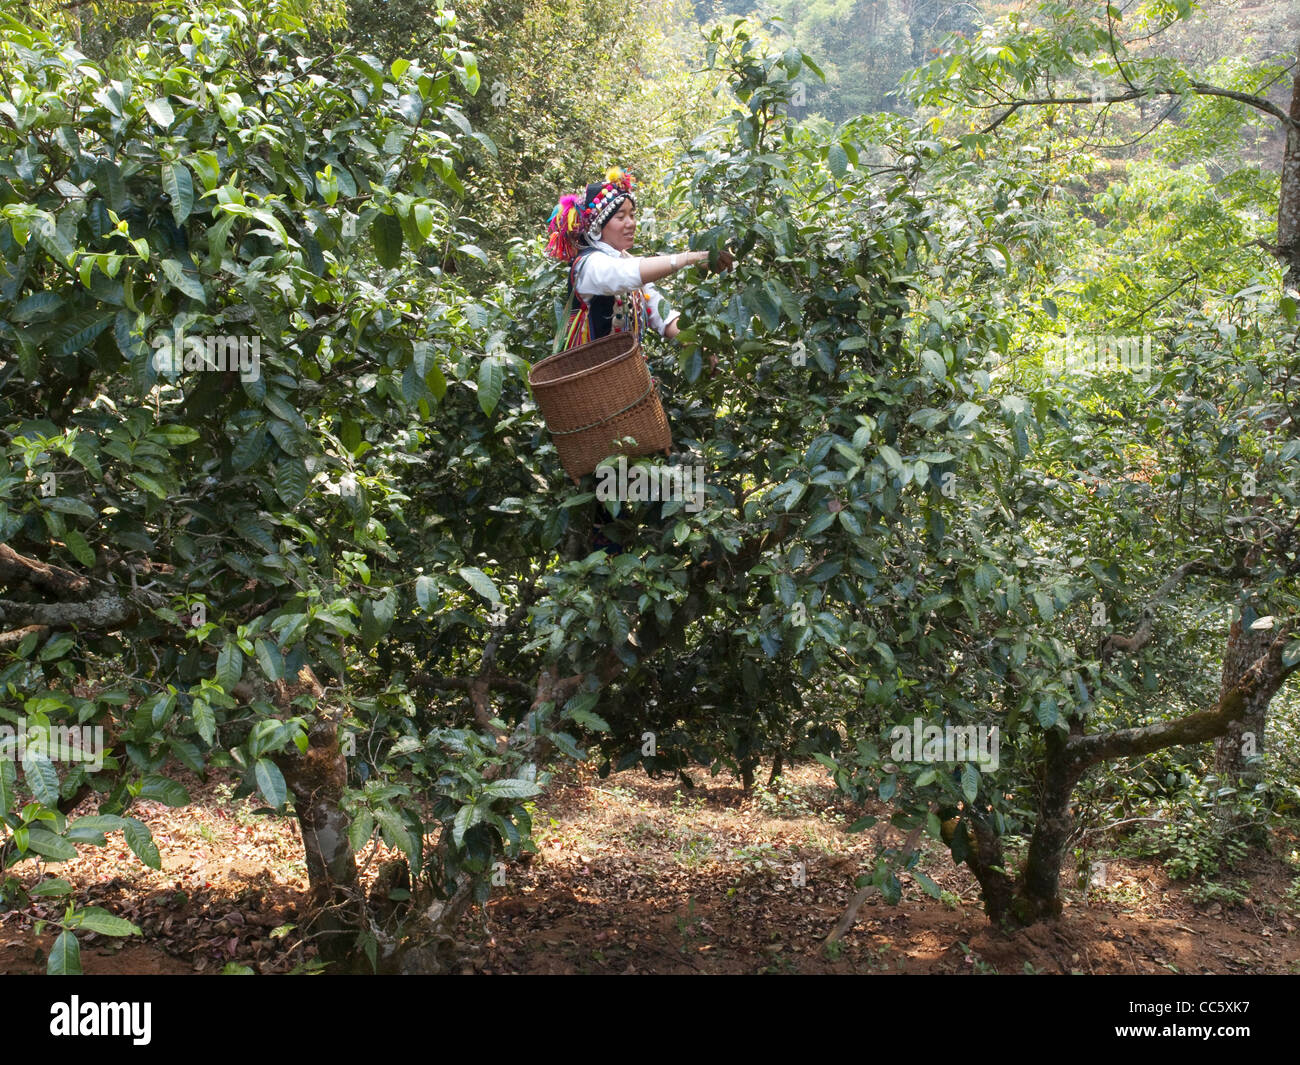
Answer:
[(593, 395)]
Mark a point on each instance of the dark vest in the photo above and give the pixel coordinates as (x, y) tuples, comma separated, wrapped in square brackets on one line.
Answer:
[(600, 309)]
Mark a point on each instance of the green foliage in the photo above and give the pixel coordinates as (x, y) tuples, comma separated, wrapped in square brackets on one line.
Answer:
[(227, 179), (1229, 894), (1193, 847), (568, 90), (907, 514), (865, 47)]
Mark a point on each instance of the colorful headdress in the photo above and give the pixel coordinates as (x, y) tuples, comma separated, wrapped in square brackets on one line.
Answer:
[(582, 213)]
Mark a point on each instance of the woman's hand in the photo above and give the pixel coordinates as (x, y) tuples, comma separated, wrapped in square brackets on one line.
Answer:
[(725, 262), (657, 267)]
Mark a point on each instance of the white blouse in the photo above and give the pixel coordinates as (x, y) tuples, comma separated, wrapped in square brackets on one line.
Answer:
[(615, 272)]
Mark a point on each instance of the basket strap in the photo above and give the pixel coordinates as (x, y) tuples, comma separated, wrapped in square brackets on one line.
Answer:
[(608, 417), (563, 330)]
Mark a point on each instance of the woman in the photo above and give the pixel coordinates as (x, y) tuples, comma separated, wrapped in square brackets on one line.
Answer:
[(614, 291)]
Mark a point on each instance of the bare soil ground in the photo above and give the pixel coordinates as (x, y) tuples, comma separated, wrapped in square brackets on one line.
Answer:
[(642, 876)]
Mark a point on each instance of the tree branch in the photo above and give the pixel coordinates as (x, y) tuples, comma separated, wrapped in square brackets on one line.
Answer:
[(1267, 674), (15, 637), (850, 914), (16, 568), (103, 613), (1198, 89), (494, 681), (1257, 102), (1143, 635)]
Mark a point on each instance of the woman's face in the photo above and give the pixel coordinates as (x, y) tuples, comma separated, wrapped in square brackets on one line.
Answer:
[(619, 231)]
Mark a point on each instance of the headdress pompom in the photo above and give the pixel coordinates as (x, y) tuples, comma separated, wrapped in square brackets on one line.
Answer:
[(563, 226), (616, 175)]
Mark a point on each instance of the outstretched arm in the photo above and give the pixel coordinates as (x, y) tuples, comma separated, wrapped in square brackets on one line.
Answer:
[(608, 275), (657, 267), (654, 267)]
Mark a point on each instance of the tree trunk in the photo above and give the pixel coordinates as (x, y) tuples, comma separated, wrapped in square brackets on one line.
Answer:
[(984, 856), (316, 780), (1245, 735), (1039, 894), (1288, 210), (778, 764), (1251, 683)]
